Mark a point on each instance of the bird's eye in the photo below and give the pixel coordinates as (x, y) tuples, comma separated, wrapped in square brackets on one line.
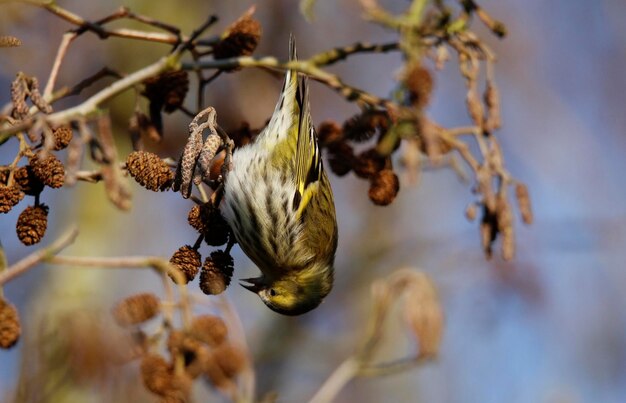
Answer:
[(272, 292)]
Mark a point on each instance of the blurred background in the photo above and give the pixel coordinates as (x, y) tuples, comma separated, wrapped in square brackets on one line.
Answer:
[(550, 326)]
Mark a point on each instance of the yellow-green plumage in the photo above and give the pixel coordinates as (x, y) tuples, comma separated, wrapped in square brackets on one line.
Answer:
[(279, 203)]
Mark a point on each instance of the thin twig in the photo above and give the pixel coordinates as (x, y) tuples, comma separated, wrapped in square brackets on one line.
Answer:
[(393, 367), (352, 94), (341, 53), (3, 265), (159, 264), (236, 327), (385, 293), (337, 381), (159, 37), (39, 256), (168, 312), (68, 37), (123, 262), (87, 82), (91, 105)]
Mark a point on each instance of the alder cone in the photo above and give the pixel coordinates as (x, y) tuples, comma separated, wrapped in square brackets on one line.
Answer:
[(32, 224)]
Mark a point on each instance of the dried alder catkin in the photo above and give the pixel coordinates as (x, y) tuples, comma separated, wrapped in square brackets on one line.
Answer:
[(419, 83), (340, 158), (240, 38), (523, 201), (149, 171), (62, 137), (230, 358), (167, 91), (32, 224), (9, 197), (216, 273), (136, 309), (209, 222), (364, 126), (49, 170), (155, 374), (10, 328), (369, 163), (384, 187), (209, 329), (329, 132), (7, 41), (27, 181), (188, 261)]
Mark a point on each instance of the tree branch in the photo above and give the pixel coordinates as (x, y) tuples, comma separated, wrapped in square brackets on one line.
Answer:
[(39, 256)]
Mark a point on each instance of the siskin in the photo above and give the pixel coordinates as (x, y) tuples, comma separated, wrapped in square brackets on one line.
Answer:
[(279, 204)]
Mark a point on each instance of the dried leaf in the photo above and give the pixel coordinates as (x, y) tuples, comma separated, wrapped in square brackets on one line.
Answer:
[(422, 309)]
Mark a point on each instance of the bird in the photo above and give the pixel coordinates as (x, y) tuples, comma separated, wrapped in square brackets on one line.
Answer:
[(279, 204)]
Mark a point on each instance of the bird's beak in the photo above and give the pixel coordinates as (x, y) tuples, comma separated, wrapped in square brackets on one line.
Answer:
[(255, 284)]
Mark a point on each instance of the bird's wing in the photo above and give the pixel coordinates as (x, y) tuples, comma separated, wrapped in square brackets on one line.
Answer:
[(308, 161)]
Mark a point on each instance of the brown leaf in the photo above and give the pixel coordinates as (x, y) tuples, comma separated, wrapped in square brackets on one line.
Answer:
[(422, 310)]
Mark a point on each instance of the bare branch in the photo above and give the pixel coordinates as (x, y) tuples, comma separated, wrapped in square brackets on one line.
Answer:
[(39, 256)]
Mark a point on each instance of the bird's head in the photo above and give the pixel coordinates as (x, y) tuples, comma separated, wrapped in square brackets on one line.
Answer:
[(295, 293)]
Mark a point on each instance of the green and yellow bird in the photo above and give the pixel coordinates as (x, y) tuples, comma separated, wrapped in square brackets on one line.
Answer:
[(279, 204)]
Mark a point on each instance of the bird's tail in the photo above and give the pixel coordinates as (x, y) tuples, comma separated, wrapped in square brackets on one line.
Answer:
[(286, 117)]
